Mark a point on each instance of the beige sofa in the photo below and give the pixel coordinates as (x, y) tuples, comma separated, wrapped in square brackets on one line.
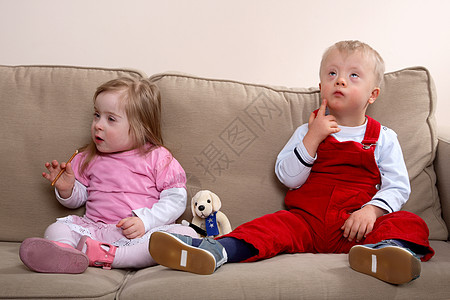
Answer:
[(227, 135)]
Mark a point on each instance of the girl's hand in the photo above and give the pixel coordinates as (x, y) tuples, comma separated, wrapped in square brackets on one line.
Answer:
[(132, 227), (319, 127), (66, 182), (360, 223)]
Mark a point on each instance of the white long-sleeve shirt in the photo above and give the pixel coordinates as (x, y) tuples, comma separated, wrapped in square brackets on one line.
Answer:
[(294, 164), (171, 205)]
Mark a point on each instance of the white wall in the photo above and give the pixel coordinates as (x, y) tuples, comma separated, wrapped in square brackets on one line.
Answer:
[(277, 42)]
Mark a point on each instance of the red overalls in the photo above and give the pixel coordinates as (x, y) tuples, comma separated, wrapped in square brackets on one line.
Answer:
[(344, 177)]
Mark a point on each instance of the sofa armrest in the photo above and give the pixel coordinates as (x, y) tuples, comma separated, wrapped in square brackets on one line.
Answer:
[(441, 165)]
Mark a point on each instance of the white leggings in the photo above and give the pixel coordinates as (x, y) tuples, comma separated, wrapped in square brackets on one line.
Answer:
[(135, 256)]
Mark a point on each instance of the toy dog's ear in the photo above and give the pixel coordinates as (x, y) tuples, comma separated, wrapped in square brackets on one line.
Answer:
[(193, 201), (217, 204)]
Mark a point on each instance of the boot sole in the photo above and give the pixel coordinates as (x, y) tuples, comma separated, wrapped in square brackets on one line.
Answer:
[(44, 256), (171, 252), (391, 264)]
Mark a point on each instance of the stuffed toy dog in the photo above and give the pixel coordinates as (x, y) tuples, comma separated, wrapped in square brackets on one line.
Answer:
[(205, 207)]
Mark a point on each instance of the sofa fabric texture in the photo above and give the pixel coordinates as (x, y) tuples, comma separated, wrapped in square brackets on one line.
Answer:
[(226, 135)]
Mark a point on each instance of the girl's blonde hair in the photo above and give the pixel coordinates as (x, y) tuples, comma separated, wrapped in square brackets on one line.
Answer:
[(141, 101), (353, 46)]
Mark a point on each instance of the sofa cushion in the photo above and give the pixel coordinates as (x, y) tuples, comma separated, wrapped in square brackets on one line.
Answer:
[(39, 125), (17, 281), (291, 276), (227, 135)]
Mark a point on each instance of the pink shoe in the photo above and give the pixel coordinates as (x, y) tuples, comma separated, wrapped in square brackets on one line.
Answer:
[(96, 252), (45, 256)]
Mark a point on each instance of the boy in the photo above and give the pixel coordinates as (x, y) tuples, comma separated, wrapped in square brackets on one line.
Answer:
[(348, 182)]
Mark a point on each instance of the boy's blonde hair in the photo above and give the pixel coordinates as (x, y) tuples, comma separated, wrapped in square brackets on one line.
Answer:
[(141, 101), (354, 46)]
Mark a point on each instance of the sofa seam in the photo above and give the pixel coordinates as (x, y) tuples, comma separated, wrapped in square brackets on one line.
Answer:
[(280, 89), (138, 72), (127, 277)]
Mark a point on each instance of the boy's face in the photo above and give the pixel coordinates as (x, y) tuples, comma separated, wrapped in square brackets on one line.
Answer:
[(110, 129), (347, 82)]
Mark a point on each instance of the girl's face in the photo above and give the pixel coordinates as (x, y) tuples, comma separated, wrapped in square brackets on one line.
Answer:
[(110, 129), (347, 81)]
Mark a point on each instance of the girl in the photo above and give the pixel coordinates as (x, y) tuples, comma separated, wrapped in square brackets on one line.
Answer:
[(130, 183)]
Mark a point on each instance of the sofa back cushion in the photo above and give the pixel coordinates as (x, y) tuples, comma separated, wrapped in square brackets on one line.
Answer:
[(227, 135), (46, 114)]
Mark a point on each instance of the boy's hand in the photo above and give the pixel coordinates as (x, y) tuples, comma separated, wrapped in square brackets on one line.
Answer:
[(66, 182), (360, 222), (132, 227), (319, 127)]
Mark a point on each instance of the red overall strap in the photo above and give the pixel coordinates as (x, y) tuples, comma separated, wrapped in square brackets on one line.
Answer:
[(372, 133)]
